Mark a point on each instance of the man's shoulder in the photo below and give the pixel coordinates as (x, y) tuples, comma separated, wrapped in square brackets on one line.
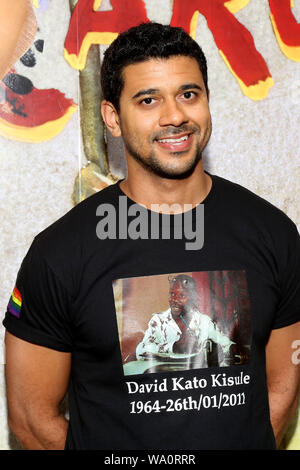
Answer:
[(242, 201), (239, 194), (161, 316), (80, 219), (73, 236), (200, 317)]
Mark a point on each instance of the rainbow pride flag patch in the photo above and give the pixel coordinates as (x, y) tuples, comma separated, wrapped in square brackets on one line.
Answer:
[(15, 302)]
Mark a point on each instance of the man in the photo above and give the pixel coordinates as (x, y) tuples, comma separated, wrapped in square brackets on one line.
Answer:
[(62, 334), (182, 329)]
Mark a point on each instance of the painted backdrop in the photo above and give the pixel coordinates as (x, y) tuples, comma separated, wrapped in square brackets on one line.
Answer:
[(53, 152)]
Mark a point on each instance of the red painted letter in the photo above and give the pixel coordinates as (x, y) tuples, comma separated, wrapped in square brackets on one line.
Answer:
[(286, 28), (89, 26), (233, 40)]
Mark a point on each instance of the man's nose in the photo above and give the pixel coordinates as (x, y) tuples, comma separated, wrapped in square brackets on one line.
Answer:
[(175, 297), (172, 114)]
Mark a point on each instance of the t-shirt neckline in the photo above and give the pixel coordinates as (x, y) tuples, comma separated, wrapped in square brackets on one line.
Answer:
[(208, 201)]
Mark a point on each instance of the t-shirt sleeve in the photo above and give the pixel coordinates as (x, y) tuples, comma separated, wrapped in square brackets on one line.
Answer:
[(39, 307), (288, 310)]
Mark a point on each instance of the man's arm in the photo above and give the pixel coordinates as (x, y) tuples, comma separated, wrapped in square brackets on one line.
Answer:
[(283, 377), (152, 340), (36, 381)]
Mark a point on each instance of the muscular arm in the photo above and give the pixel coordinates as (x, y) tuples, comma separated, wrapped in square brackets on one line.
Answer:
[(36, 381), (283, 378)]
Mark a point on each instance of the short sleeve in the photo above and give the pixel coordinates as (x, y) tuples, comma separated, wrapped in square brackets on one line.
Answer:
[(288, 310), (39, 307)]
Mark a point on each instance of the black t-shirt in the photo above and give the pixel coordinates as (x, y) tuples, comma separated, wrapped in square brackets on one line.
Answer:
[(133, 385)]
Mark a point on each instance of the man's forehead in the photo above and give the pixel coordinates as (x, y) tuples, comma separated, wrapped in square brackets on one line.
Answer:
[(158, 74), (178, 286)]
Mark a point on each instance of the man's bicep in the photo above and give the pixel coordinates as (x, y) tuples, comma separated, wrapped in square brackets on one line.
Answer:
[(36, 378)]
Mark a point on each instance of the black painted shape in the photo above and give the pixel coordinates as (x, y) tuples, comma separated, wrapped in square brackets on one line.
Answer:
[(39, 45), (18, 83), (28, 59), (16, 110)]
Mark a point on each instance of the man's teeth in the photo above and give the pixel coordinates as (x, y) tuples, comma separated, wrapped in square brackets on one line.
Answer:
[(174, 140)]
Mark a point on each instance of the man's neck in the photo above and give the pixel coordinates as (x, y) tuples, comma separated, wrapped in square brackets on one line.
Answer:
[(149, 189)]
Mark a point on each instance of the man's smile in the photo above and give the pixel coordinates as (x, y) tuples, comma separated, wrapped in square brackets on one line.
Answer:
[(176, 143)]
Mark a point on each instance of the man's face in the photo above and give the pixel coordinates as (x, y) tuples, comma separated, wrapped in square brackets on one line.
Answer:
[(164, 115), (179, 299)]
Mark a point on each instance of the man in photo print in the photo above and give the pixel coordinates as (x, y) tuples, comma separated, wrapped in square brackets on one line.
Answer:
[(182, 329)]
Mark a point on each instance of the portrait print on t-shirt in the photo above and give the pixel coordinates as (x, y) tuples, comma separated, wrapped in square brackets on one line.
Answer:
[(182, 321)]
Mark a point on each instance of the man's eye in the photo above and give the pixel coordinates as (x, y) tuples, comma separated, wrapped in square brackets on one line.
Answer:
[(147, 100), (188, 95)]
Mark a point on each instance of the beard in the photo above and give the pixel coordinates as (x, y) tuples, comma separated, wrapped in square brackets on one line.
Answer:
[(180, 310), (155, 165)]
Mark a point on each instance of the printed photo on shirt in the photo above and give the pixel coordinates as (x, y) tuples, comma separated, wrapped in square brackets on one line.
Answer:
[(183, 321)]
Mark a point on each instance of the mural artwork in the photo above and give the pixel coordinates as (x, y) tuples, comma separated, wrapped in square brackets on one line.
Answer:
[(89, 27), (27, 113), (32, 115)]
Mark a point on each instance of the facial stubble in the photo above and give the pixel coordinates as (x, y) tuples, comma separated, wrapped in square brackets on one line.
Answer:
[(153, 164)]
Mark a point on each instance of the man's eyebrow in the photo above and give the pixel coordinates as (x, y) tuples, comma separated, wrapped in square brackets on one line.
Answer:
[(149, 91), (152, 91), (188, 86)]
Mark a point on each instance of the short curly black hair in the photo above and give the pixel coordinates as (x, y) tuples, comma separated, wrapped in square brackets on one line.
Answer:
[(141, 43)]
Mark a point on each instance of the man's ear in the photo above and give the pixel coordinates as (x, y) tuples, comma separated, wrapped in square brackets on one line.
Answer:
[(111, 118)]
